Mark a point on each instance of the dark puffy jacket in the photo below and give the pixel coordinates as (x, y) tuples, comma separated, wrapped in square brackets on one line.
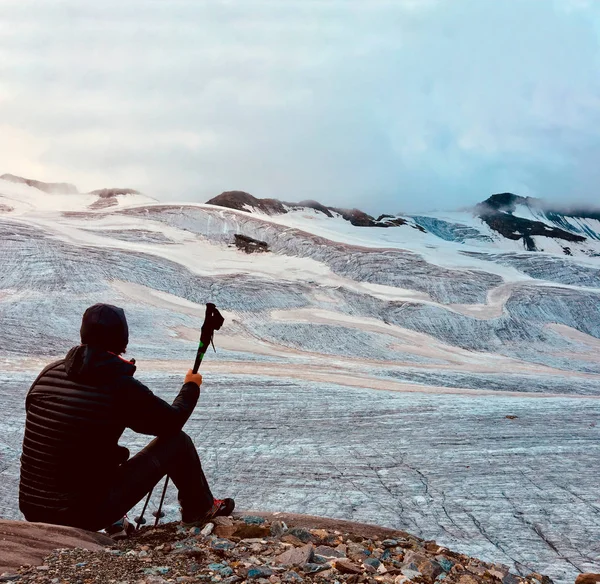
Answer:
[(77, 410)]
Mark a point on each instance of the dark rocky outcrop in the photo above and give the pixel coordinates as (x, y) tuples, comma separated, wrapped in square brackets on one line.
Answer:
[(250, 245), (104, 203), (497, 212), (316, 206), (242, 201), (62, 188), (113, 192), (108, 197)]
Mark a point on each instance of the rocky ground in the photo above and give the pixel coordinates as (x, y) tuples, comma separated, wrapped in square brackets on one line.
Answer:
[(252, 548)]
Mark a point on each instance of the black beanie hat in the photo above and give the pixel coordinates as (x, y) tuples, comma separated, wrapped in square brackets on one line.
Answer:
[(105, 326)]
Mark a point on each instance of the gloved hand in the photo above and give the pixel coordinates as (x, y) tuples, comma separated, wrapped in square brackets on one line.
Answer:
[(193, 378)]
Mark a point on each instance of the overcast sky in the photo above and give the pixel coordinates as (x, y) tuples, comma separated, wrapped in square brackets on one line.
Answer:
[(387, 105)]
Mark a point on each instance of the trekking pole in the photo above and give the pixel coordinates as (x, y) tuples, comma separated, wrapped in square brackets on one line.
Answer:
[(139, 520), (213, 321)]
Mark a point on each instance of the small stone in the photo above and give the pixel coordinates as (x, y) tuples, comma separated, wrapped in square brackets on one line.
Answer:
[(222, 544), (320, 534), (388, 543), (386, 555), (43, 568), (7, 577), (224, 530), (278, 528), (194, 530), (311, 568), (153, 579), (373, 562), (296, 556), (411, 574), (467, 579), (426, 566), (222, 569), (142, 554), (302, 534), (250, 530), (222, 520), (292, 576), (478, 570), (253, 520), (541, 578), (260, 572), (345, 566), (498, 571), (287, 538), (207, 529), (447, 564), (357, 552), (329, 552)]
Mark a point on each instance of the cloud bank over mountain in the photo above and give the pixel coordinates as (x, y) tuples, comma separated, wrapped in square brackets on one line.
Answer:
[(385, 105)]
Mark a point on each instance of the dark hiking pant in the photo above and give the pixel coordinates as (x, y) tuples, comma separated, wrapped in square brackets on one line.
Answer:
[(174, 456)]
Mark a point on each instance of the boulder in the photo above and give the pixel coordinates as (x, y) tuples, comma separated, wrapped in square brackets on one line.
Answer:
[(250, 245), (28, 543)]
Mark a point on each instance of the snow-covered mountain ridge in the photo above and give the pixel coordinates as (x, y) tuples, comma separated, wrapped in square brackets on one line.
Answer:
[(526, 220), (531, 222), (363, 372)]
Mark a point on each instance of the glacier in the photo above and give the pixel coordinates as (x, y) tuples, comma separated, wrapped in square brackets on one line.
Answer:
[(363, 373)]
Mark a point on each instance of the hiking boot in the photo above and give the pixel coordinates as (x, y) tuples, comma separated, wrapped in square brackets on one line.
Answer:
[(220, 508), (225, 507), (121, 529)]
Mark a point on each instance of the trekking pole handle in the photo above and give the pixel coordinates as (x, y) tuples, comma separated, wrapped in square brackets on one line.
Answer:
[(213, 321)]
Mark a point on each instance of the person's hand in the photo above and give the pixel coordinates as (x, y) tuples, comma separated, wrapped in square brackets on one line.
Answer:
[(193, 378)]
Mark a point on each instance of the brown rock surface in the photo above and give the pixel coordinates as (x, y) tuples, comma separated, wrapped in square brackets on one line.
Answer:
[(587, 578), (296, 556), (28, 543)]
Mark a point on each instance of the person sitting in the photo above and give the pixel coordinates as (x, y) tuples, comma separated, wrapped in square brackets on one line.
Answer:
[(73, 471)]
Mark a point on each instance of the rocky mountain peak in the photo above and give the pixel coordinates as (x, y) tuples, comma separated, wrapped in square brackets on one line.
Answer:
[(505, 202), (242, 201), (113, 192), (52, 188)]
